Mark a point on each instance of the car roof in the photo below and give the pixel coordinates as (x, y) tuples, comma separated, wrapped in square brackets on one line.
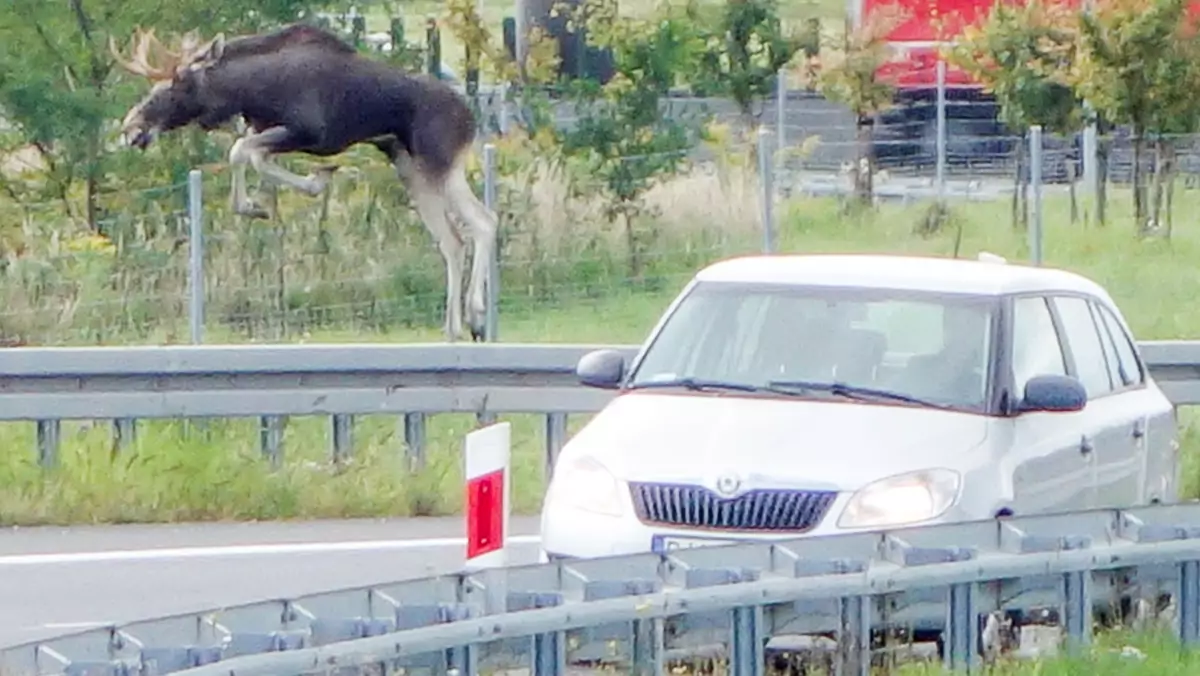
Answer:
[(905, 272)]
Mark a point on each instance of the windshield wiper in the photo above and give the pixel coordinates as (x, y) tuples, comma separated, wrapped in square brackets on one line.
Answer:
[(849, 391), (698, 385)]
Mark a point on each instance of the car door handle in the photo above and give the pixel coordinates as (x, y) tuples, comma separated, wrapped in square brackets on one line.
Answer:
[(1085, 445), (1139, 429)]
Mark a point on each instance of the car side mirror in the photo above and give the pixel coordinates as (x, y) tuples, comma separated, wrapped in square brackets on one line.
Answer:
[(601, 368), (1054, 393)]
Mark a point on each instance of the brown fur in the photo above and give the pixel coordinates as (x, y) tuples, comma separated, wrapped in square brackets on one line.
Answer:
[(302, 89)]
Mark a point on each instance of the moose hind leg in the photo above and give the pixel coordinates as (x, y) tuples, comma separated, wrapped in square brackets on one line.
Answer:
[(480, 226), (431, 206)]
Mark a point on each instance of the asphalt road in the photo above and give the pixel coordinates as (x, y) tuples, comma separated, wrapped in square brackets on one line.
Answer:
[(59, 580)]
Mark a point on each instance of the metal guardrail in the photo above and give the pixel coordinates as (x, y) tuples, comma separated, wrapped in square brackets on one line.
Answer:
[(272, 382), (637, 612)]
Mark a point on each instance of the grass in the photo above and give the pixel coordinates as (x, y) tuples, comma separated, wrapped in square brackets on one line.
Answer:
[(174, 472), (1113, 653)]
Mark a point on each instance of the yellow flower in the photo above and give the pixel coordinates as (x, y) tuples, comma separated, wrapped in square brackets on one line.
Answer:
[(716, 132), (92, 243)]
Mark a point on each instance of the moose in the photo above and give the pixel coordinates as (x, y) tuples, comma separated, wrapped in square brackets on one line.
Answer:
[(302, 89)]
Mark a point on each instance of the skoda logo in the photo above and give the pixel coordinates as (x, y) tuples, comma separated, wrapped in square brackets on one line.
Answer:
[(727, 484)]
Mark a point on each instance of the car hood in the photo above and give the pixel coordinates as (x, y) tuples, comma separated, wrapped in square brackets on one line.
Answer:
[(658, 436)]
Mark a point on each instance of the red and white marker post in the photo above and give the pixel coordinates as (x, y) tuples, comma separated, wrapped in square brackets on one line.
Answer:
[(487, 458)]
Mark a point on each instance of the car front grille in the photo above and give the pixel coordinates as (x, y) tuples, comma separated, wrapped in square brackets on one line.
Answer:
[(761, 510)]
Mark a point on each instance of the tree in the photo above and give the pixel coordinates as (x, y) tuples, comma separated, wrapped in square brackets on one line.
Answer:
[(1138, 66), (526, 82), (1023, 54), (851, 76), (623, 136), (1175, 112), (745, 50)]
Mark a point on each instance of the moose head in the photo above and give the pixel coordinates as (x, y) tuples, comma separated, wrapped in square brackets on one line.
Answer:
[(176, 97)]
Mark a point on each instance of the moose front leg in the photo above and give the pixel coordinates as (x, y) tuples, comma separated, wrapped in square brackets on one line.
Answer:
[(256, 149), (239, 202)]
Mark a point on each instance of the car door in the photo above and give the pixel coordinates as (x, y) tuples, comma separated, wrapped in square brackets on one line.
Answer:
[(1149, 438), (1052, 468), (1108, 417)]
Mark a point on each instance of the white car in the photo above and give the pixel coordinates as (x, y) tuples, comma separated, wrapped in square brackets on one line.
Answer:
[(790, 396)]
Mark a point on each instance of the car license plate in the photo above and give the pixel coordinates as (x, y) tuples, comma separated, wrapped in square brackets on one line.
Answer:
[(661, 544)]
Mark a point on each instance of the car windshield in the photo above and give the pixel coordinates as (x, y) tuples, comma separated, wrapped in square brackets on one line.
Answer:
[(918, 348)]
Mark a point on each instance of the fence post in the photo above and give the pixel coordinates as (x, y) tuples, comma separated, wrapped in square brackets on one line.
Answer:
[(766, 170), (433, 48), (196, 256), (941, 130), (492, 321), (1035, 185), (780, 106), (396, 30), (491, 328), (1091, 161)]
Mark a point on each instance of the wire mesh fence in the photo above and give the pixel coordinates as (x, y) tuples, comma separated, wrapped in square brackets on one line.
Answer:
[(356, 263)]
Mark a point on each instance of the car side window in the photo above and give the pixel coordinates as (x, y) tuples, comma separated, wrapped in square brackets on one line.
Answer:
[(1083, 338), (1110, 351), (1130, 369), (1036, 349)]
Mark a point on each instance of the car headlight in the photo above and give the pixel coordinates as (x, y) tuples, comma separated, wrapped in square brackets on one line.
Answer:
[(583, 483), (902, 499)]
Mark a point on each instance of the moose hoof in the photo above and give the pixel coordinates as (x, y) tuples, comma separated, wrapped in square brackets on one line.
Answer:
[(252, 210), (325, 170), (476, 325), (320, 177)]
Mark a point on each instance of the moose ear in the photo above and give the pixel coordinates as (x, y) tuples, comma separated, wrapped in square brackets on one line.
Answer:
[(216, 48)]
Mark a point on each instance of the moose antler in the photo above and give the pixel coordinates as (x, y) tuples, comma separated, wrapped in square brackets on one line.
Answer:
[(145, 42)]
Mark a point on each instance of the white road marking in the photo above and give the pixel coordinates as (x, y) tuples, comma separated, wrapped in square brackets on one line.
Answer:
[(220, 551)]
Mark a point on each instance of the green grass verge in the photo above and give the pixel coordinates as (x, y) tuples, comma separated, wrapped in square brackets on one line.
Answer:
[(176, 472), (1112, 653)]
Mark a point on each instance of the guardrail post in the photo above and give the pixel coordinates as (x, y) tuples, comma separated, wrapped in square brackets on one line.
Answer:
[(341, 437), (549, 654), (747, 642), (962, 628), (854, 637), (124, 432), (1076, 608), (556, 437), (1187, 604), (647, 648), (414, 440), (47, 442), (271, 438)]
